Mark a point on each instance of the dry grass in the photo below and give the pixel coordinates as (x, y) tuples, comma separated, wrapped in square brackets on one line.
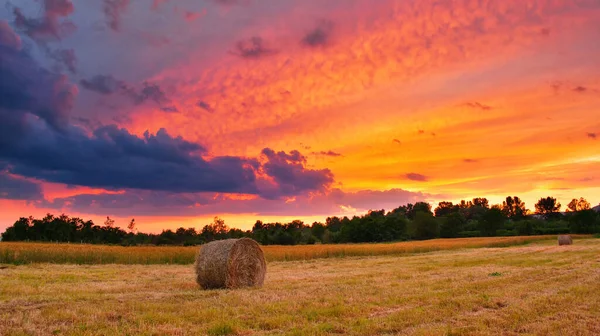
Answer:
[(24, 253), (541, 289)]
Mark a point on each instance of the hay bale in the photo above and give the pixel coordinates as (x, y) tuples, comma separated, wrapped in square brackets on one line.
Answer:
[(230, 263), (565, 240)]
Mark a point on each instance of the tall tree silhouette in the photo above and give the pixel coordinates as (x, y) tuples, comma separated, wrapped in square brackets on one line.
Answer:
[(547, 206), (514, 208)]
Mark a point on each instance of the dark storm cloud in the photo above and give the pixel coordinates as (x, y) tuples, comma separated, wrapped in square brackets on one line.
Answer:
[(113, 9), (252, 48), (27, 90), (37, 140), (18, 189), (320, 36), (416, 177), (290, 175)]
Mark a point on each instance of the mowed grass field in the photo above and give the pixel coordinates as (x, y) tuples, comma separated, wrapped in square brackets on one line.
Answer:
[(535, 289), (25, 253)]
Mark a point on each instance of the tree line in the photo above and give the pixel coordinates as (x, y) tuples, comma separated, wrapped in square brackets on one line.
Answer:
[(474, 218)]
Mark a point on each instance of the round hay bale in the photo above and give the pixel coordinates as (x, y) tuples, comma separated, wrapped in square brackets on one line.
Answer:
[(230, 263), (565, 240)]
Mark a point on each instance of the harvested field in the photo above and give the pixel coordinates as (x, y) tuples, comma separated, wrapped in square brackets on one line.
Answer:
[(540, 289), (24, 253)]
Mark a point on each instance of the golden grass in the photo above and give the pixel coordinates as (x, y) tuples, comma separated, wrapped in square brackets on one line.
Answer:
[(25, 253), (539, 289)]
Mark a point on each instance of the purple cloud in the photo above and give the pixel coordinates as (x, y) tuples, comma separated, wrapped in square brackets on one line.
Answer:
[(103, 84), (14, 188), (204, 105), (320, 36), (8, 37), (68, 58), (478, 105), (416, 177), (327, 153), (153, 203), (51, 148), (113, 9), (290, 176), (252, 48), (48, 26)]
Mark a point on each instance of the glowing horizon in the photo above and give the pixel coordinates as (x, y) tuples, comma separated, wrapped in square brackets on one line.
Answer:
[(176, 112)]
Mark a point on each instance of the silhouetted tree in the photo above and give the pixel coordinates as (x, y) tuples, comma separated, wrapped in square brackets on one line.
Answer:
[(547, 207), (109, 223), (418, 207), (578, 205), (514, 208), (445, 208), (131, 225), (481, 202)]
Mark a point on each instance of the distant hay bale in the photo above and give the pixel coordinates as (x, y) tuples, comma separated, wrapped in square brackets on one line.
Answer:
[(565, 240), (230, 263)]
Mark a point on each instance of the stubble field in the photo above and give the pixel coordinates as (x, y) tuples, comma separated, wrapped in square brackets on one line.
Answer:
[(534, 289)]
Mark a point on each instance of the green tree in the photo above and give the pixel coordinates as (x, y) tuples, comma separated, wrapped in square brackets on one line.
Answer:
[(584, 221), (424, 226), (318, 229), (492, 221), (412, 210), (451, 225)]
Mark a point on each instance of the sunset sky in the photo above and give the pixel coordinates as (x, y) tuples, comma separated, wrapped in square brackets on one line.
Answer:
[(173, 112)]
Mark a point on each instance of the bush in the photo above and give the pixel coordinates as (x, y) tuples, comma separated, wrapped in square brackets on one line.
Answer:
[(584, 221), (469, 234), (506, 233)]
